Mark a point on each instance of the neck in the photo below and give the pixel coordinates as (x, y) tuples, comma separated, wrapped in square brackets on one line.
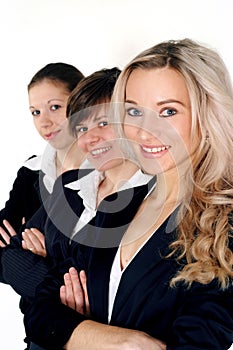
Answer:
[(115, 178), (172, 184), (120, 174), (155, 209), (68, 158)]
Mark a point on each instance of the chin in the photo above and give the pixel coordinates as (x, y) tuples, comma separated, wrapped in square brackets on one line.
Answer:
[(108, 165)]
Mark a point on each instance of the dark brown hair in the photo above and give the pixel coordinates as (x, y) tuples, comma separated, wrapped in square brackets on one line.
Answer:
[(61, 72), (93, 90)]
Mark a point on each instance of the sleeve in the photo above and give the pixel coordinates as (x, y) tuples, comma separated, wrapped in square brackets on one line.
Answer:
[(21, 195), (205, 320), (22, 269), (47, 321), (14, 209)]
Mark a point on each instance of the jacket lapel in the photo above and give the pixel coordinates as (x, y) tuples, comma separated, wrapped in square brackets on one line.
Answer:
[(143, 268)]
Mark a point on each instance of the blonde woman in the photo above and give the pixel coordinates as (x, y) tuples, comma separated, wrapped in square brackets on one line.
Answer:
[(168, 284)]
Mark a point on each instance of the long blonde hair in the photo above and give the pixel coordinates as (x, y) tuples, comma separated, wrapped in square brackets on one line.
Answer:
[(205, 230)]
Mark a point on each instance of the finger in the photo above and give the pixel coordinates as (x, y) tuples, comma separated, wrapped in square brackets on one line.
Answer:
[(83, 280), (78, 290), (63, 295), (24, 245), (27, 247), (9, 228), (5, 236), (2, 244), (70, 300), (39, 235), (33, 243), (27, 241)]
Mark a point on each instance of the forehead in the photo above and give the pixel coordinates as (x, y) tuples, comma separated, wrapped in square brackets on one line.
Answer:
[(93, 113), (48, 89), (156, 83)]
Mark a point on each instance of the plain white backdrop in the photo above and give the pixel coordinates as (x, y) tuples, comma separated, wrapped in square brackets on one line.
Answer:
[(91, 35)]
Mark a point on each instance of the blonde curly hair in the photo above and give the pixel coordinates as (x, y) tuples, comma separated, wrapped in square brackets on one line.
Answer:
[(204, 231)]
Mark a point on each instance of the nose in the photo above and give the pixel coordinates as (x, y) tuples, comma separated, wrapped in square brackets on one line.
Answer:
[(151, 126), (92, 136), (45, 120)]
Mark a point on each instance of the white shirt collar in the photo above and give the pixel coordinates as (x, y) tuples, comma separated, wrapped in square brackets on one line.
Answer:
[(33, 163), (46, 163), (87, 186)]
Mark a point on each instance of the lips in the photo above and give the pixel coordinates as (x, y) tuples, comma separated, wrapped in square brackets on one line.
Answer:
[(157, 149), (100, 151), (51, 135), (154, 151)]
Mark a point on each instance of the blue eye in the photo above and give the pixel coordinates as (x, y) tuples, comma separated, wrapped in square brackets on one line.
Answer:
[(35, 113), (168, 112), (134, 112)]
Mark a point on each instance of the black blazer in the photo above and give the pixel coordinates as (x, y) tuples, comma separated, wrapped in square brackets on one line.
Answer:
[(22, 269), (25, 198), (200, 317), (56, 218)]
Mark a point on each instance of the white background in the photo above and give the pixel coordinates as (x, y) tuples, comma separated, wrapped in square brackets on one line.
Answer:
[(90, 34)]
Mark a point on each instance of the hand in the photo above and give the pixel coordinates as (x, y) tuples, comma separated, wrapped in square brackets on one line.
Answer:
[(6, 235), (74, 292), (34, 241)]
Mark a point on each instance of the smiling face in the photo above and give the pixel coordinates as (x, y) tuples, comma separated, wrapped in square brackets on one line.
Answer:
[(158, 118), (47, 103), (98, 140)]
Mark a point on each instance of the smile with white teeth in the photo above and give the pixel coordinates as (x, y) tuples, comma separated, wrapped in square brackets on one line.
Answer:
[(155, 149), (100, 150)]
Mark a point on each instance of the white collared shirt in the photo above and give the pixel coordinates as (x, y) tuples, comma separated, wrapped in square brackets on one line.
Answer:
[(45, 162), (115, 277), (87, 188)]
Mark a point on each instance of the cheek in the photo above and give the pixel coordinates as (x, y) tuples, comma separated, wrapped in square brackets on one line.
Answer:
[(108, 134), (185, 135), (36, 124), (61, 120), (130, 132), (81, 143)]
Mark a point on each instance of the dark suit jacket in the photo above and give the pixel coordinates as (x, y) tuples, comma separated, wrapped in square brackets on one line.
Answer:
[(24, 200), (22, 269), (56, 218), (200, 317)]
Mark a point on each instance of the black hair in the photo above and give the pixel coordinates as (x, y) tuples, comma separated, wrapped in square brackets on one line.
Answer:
[(59, 72)]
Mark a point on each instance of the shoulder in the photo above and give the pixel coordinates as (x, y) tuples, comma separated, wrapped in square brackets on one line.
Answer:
[(33, 156), (33, 163), (30, 167), (71, 176)]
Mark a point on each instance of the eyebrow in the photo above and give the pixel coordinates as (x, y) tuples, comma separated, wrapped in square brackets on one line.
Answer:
[(95, 118), (159, 103), (169, 101), (131, 101), (55, 99), (49, 101)]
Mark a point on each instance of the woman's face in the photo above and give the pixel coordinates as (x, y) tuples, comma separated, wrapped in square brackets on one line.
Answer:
[(47, 103), (97, 139), (158, 118)]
